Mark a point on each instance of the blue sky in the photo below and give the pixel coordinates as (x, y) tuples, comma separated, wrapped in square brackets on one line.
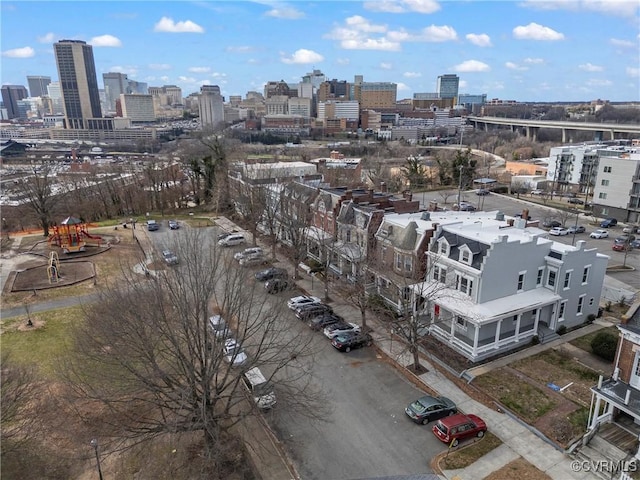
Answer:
[(529, 50)]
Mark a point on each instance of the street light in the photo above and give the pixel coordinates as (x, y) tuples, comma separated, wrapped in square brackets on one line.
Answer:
[(94, 444), (575, 227)]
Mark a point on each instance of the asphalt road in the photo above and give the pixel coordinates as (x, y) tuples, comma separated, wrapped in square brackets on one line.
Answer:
[(367, 433), (511, 206)]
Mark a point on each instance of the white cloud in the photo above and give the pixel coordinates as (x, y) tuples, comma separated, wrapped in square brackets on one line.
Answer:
[(285, 12), (622, 43), (402, 6), (472, 66), (105, 41), (386, 66), (479, 39), (184, 79), (159, 66), (534, 61), (128, 69), (622, 8), (412, 74), (199, 69), (164, 78), (218, 75), (589, 67), (370, 44), (596, 82), (303, 56), (167, 24), (342, 61), (534, 31), (240, 49), (515, 66), (434, 33), (363, 25), (23, 52), (47, 38), (462, 84), (633, 71), (402, 86)]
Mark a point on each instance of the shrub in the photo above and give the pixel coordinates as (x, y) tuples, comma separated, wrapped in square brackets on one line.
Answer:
[(604, 345), (608, 306), (562, 329), (535, 340), (591, 318)]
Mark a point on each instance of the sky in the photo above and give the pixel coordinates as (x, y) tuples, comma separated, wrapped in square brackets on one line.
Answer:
[(527, 50)]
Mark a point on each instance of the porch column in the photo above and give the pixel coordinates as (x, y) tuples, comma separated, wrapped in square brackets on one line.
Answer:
[(518, 327), (476, 334), (453, 326), (596, 412), (497, 336)]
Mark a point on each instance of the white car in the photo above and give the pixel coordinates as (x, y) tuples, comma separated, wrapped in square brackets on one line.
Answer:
[(340, 328), (248, 252), (599, 234), (537, 192), (233, 352), (558, 231), (296, 302)]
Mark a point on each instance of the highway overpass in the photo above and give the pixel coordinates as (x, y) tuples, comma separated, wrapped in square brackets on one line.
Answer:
[(602, 131)]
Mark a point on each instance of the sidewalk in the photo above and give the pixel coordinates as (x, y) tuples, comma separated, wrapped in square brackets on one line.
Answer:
[(518, 440)]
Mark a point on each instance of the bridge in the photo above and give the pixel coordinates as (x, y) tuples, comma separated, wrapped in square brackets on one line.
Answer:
[(532, 126)]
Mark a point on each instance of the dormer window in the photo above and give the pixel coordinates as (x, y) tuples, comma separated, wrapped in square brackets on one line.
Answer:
[(465, 255), (443, 247)]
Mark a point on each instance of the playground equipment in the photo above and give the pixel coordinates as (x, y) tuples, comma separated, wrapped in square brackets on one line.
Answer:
[(53, 270), (72, 236)]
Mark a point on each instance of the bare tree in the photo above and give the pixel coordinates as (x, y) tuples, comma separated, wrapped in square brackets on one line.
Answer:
[(37, 190), (148, 355), (294, 220)]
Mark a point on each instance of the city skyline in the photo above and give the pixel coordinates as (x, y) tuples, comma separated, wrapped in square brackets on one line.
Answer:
[(525, 51)]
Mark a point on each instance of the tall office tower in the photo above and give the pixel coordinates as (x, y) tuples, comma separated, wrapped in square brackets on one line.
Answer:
[(10, 96), (211, 105), (448, 86), (115, 84), (139, 87), (55, 94), (78, 81), (137, 107), (38, 85)]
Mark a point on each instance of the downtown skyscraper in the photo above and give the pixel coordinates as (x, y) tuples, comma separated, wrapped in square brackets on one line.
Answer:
[(78, 82)]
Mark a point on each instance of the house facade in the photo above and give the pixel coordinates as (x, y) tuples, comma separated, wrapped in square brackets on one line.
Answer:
[(492, 285)]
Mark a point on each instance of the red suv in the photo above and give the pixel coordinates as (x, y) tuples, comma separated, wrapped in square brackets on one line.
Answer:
[(458, 427)]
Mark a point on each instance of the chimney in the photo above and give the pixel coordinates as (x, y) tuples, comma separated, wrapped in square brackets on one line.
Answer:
[(525, 214), (510, 222), (383, 187)]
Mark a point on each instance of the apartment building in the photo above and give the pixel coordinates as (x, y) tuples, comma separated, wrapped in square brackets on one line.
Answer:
[(617, 187), (138, 108)]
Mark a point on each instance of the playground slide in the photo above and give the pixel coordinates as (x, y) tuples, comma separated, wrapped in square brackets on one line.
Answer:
[(88, 235)]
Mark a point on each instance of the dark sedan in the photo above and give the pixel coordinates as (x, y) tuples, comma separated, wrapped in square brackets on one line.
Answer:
[(276, 285), (428, 408), (345, 342), (324, 320), (269, 273)]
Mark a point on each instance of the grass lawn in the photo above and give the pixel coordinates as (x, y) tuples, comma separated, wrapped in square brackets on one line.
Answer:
[(43, 345), (465, 456), (529, 402), (520, 469), (584, 342)]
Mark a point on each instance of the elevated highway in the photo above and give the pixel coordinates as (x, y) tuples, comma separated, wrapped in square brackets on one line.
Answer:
[(531, 127)]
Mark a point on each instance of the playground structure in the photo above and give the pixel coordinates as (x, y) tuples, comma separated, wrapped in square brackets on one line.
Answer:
[(72, 236), (53, 270)]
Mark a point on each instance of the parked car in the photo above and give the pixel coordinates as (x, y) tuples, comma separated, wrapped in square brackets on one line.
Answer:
[(169, 257), (247, 252), (635, 244), (319, 322), (599, 234), (622, 239), (537, 192), (233, 352), (219, 327), (558, 231), (346, 342), (608, 222), (482, 191), (621, 247), (428, 408), (466, 207), (459, 427), (576, 201), (269, 273), (306, 312), (340, 328), (152, 225), (276, 285), (576, 229), (174, 225), (548, 223), (253, 261), (232, 240), (295, 302), (631, 229), (225, 235)]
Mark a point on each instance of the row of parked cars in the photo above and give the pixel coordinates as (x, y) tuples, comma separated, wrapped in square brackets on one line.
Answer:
[(345, 336)]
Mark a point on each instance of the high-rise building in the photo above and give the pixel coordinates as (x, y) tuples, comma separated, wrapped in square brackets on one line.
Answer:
[(55, 94), (137, 107), (168, 94), (38, 85), (372, 95), (116, 83), (211, 105), (10, 96), (448, 85), (78, 81)]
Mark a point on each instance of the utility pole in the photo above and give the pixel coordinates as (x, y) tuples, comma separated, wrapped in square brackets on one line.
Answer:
[(460, 184)]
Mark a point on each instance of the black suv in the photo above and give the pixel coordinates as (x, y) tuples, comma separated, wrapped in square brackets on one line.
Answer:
[(324, 320), (309, 311), (269, 273), (349, 341)]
